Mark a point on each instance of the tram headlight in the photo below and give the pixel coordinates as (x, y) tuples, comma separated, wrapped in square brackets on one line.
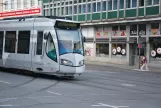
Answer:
[(81, 63), (66, 62)]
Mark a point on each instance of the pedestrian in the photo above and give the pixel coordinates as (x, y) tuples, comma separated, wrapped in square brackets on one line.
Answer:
[(144, 60)]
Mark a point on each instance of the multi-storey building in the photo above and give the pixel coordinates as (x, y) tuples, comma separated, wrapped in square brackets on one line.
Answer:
[(12, 8)]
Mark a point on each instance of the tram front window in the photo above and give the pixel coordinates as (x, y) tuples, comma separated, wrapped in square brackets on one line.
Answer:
[(69, 41)]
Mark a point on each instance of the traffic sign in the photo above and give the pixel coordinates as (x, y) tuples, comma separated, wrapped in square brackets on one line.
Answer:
[(139, 45)]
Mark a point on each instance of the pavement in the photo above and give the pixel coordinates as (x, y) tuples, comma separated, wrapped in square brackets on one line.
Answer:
[(152, 67)]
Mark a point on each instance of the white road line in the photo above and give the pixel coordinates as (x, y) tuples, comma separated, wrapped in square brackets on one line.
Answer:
[(5, 82), (128, 85), (53, 93), (111, 106), (6, 105)]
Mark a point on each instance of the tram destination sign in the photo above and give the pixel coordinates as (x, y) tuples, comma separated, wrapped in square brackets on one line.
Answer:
[(67, 25)]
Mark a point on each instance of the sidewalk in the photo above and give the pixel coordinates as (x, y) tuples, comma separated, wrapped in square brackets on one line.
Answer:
[(152, 67)]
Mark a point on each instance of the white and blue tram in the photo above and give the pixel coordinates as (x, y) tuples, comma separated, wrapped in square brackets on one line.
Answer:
[(49, 45)]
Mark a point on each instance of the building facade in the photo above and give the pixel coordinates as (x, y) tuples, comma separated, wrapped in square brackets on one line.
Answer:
[(114, 28), (15, 8)]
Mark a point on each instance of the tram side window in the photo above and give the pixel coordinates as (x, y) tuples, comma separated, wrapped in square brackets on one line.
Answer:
[(10, 41), (50, 49), (39, 43), (23, 42)]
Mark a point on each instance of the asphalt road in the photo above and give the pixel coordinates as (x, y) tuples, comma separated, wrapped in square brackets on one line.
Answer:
[(98, 87)]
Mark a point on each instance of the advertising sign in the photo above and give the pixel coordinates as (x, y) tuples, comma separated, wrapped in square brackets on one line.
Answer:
[(33, 11)]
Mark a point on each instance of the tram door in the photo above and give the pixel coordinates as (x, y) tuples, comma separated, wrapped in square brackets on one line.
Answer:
[(37, 58), (1, 47)]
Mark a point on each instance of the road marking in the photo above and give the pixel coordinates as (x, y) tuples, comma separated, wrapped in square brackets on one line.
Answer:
[(111, 106), (53, 93), (6, 105), (128, 85), (5, 82)]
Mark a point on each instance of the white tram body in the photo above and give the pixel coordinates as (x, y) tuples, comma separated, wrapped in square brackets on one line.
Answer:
[(42, 45)]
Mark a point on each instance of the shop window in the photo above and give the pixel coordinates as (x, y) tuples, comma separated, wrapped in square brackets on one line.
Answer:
[(155, 29), (39, 43), (123, 30), (98, 32), (10, 41), (102, 50), (109, 4), (142, 29), (104, 6), (94, 7), (89, 7), (155, 47), (121, 4), (98, 6), (115, 30), (23, 42), (133, 30), (105, 31), (119, 49), (141, 2)]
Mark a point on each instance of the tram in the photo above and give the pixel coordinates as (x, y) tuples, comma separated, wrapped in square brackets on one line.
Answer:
[(42, 44)]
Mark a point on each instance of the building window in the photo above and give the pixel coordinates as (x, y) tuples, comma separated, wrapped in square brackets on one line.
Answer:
[(102, 50), (6, 5), (39, 43), (155, 31), (98, 6), (23, 42), (75, 9), (98, 32), (70, 10), (115, 31), (141, 2), (149, 2), (25, 3), (121, 4), (62, 11), (12, 4), (104, 6), (32, 3), (10, 41), (110, 5), (18, 4), (119, 30), (115, 4), (131, 3), (89, 7), (94, 7), (79, 9), (84, 8), (67, 10), (119, 49), (156, 2)]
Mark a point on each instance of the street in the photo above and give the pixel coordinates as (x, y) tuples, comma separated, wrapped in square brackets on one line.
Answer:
[(97, 87)]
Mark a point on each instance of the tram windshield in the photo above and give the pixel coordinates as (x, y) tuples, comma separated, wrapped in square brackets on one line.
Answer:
[(70, 41)]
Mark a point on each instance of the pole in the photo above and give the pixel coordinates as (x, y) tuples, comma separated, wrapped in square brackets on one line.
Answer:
[(139, 49)]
